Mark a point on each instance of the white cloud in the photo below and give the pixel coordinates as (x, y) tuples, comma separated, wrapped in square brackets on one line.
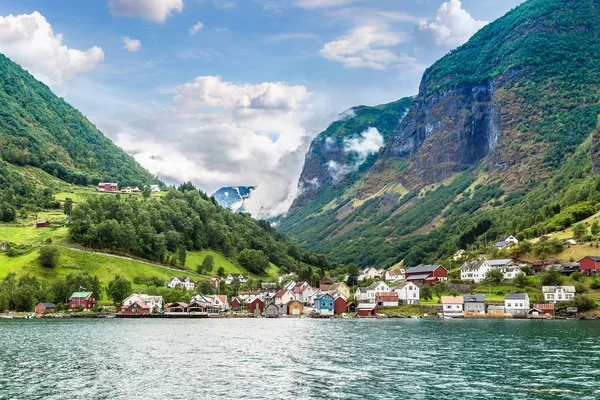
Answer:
[(131, 44), (151, 10), (29, 40), (367, 143), (196, 28), (368, 46), (218, 133), (451, 27), (281, 37), (314, 4)]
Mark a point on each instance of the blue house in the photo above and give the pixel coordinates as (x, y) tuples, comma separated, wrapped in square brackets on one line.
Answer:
[(324, 304)]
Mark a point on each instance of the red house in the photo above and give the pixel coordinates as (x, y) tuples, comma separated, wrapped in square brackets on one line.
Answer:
[(85, 299), (108, 187), (590, 265), (256, 304), (44, 308), (236, 304), (340, 305), (429, 274), (542, 309), (540, 265), (367, 309), (137, 308), (326, 283), (42, 224)]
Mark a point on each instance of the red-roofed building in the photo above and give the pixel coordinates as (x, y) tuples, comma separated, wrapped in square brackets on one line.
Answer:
[(429, 274), (256, 306), (386, 299), (236, 304), (326, 283), (542, 309), (590, 265), (340, 305), (137, 308)]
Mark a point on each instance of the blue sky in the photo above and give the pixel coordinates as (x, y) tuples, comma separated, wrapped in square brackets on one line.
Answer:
[(237, 100)]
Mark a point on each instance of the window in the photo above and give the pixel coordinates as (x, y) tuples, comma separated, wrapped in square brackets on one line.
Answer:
[(507, 304)]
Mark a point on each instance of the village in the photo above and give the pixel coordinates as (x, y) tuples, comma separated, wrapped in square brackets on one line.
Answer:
[(387, 294)]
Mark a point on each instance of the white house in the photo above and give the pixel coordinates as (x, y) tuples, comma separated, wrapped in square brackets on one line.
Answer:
[(370, 273), (395, 275), (516, 304), (555, 294), (506, 241), (231, 277), (303, 292), (368, 294), (475, 271), (220, 301), (453, 306), (290, 285), (181, 282), (361, 295), (283, 297), (153, 302), (154, 188), (507, 266), (408, 293)]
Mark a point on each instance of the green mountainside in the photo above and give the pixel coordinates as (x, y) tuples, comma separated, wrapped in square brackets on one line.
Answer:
[(498, 141)]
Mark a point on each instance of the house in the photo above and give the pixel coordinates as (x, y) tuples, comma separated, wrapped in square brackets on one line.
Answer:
[(181, 282), (458, 255), (351, 307), (370, 273), (154, 188), (302, 292), (570, 241), (340, 287), (240, 277), (367, 309), (324, 304), (542, 310), (198, 307), (474, 303), (361, 295), (496, 311), (177, 307), (267, 285), (108, 187), (475, 271), (340, 305), (220, 302), (86, 300), (137, 308), (294, 307), (516, 304), (155, 303), (408, 293), (290, 285), (374, 288), (590, 265), (272, 311), (506, 241), (568, 268), (507, 266), (429, 274), (453, 306), (556, 294), (395, 275), (43, 224), (256, 306), (43, 308), (282, 298), (325, 283), (236, 304), (540, 265), (200, 298), (386, 299)]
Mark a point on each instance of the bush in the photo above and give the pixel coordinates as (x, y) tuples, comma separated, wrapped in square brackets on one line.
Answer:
[(49, 256), (595, 284), (577, 276), (580, 288)]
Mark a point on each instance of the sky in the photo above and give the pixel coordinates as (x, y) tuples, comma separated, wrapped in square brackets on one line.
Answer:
[(231, 92)]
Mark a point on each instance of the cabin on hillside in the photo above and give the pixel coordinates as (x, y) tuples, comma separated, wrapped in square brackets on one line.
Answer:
[(108, 187), (43, 224), (506, 241), (87, 300), (540, 265), (181, 282), (590, 265), (428, 274), (325, 283)]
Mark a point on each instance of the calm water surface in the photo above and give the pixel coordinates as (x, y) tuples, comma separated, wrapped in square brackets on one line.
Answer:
[(299, 359)]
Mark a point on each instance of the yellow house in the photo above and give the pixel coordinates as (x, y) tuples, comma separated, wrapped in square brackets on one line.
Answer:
[(342, 288), (294, 307)]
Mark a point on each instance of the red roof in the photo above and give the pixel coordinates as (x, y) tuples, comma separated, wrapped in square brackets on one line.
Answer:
[(222, 297), (281, 293), (386, 297), (544, 307)]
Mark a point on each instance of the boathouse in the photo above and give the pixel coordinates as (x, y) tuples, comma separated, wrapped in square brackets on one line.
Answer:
[(256, 306), (367, 309), (43, 308)]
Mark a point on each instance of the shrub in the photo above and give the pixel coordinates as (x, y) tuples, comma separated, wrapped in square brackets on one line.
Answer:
[(577, 276), (49, 256)]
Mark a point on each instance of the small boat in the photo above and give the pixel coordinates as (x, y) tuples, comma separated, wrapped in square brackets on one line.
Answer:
[(30, 316), (415, 317), (346, 316), (447, 317)]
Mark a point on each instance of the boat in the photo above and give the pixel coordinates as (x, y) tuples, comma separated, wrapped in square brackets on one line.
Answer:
[(30, 316), (415, 317)]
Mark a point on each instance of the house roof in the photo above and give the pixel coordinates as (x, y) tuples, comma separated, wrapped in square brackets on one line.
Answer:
[(81, 295), (595, 258), (452, 300), (255, 299), (472, 265), (177, 304), (516, 296), (48, 305), (140, 305), (289, 303), (402, 285), (474, 298), (321, 296), (552, 289), (503, 261), (417, 277), (423, 269), (362, 289), (235, 299), (373, 285), (396, 272), (281, 293), (386, 296), (544, 306), (222, 297), (366, 306)]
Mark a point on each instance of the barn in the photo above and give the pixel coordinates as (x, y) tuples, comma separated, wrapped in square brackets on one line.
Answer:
[(367, 309), (590, 265), (256, 306)]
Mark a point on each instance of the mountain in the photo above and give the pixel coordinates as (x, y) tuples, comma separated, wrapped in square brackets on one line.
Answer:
[(232, 197), (41, 130), (497, 141)]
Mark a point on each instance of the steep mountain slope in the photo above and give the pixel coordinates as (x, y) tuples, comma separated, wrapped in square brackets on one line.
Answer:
[(495, 142), (38, 128), (232, 197)]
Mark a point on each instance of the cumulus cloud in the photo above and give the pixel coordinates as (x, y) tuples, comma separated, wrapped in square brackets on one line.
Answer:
[(451, 27), (367, 143), (368, 46), (151, 10), (217, 133), (29, 40), (131, 44), (196, 28)]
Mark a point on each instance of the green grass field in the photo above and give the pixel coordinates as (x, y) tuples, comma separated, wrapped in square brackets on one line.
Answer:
[(194, 258)]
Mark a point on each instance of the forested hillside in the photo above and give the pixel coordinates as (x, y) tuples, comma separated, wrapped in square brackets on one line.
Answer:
[(39, 129), (498, 141)]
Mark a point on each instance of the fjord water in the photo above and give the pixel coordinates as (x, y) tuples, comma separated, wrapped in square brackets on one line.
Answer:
[(304, 359)]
